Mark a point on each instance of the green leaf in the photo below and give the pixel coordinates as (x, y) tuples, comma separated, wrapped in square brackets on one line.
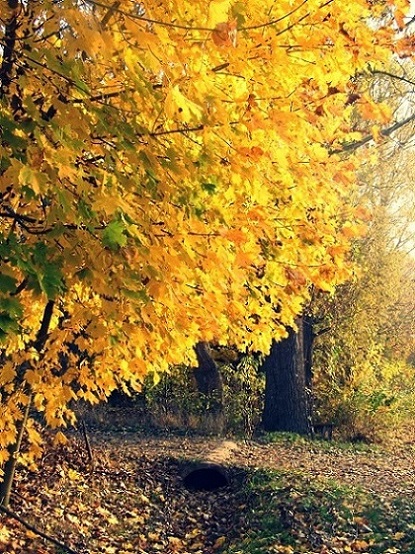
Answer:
[(7, 283), (114, 235), (40, 253), (11, 306), (136, 294), (85, 211), (238, 13), (47, 272), (51, 280), (84, 274), (7, 323), (210, 188)]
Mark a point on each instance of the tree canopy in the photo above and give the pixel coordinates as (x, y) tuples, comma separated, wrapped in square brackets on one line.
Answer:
[(170, 172)]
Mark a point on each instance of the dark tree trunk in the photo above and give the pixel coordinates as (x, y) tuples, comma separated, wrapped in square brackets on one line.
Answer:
[(288, 382), (308, 341), (8, 47), (208, 378)]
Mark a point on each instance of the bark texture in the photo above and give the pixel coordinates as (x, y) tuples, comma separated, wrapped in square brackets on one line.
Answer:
[(288, 382), (207, 374), (208, 379)]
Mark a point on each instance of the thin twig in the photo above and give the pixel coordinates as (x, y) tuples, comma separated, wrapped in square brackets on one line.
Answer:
[(352, 146), (87, 443)]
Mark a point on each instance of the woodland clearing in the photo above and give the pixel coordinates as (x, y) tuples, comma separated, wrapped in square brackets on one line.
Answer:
[(287, 494)]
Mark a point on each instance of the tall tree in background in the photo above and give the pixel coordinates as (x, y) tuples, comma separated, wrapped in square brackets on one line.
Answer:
[(360, 360), (288, 399), (371, 319), (168, 175), (208, 380)]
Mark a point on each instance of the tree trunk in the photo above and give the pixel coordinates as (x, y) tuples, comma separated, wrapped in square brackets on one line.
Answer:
[(9, 41), (288, 382), (10, 466), (207, 375), (14, 449)]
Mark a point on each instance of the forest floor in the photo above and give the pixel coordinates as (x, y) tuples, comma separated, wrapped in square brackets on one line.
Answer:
[(286, 495)]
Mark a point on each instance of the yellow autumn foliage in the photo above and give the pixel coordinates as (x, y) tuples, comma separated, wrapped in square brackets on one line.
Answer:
[(167, 175)]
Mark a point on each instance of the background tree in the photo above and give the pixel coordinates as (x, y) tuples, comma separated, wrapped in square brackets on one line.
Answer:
[(209, 380), (288, 398), (362, 376)]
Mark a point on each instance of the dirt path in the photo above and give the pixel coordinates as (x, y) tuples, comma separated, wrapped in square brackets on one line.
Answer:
[(133, 499), (390, 472)]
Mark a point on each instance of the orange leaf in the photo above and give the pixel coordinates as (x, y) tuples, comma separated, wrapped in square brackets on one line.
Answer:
[(225, 34)]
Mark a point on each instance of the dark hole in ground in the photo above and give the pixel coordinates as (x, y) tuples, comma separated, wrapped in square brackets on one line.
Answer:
[(207, 478)]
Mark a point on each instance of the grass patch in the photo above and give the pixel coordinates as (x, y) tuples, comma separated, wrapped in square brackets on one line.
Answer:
[(284, 438), (293, 513), (318, 443)]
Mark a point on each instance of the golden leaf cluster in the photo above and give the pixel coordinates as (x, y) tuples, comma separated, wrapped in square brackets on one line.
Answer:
[(167, 176)]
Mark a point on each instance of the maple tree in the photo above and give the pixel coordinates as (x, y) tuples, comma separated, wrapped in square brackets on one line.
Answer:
[(168, 175)]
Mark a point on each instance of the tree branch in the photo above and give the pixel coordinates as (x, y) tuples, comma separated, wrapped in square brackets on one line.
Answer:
[(275, 21), (10, 33), (392, 76), (34, 529), (19, 288), (352, 146), (108, 15), (42, 334), (115, 8)]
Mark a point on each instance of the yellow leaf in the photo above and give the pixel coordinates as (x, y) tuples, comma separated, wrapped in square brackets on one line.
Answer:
[(72, 474), (219, 542), (4, 534), (218, 12), (60, 438), (7, 373), (112, 519), (29, 177), (179, 107), (124, 365), (175, 544)]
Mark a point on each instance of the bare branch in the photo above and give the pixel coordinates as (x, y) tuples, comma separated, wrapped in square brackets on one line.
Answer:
[(352, 146), (115, 8), (10, 32), (35, 530), (392, 76)]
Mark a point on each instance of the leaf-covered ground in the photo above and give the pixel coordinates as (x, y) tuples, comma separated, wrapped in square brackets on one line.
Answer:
[(285, 495)]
